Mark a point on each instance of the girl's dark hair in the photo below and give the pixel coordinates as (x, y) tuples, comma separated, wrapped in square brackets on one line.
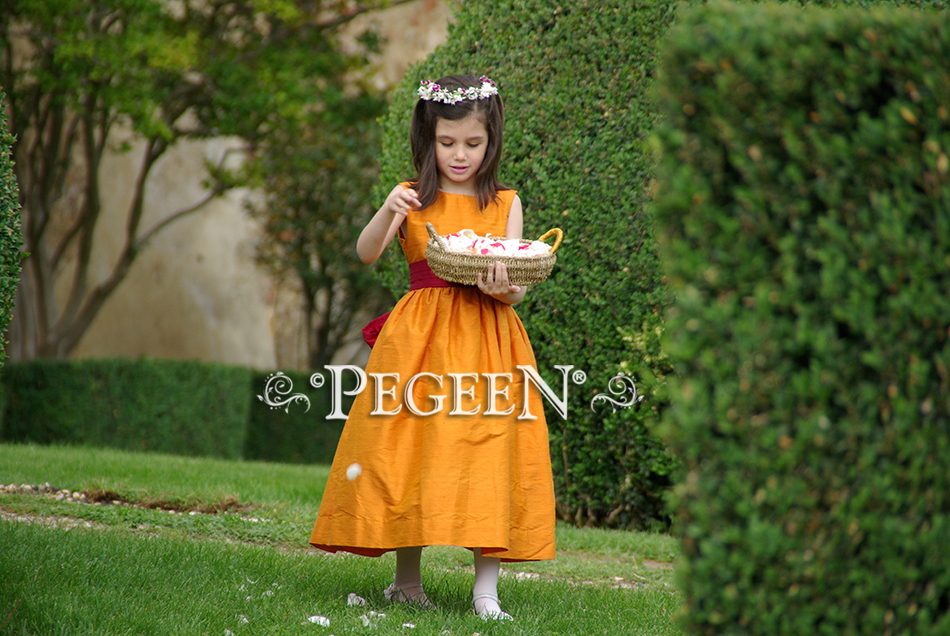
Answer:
[(422, 137)]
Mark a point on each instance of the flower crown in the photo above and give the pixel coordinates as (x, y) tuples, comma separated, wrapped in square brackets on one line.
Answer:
[(432, 92)]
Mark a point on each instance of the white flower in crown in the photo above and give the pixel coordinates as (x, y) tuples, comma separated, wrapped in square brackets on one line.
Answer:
[(432, 92)]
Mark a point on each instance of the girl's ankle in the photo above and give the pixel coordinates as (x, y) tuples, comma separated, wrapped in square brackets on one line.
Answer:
[(488, 608), (412, 594)]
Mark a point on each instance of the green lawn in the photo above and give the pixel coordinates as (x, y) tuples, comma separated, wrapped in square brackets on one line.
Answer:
[(136, 568)]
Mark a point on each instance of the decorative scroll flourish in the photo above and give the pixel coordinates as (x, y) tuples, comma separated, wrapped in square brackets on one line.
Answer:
[(277, 393), (621, 386)]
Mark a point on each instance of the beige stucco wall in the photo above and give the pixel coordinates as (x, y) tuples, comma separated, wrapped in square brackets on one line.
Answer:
[(196, 292), (410, 32)]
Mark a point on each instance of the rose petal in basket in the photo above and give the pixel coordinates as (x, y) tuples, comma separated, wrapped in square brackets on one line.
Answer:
[(463, 268)]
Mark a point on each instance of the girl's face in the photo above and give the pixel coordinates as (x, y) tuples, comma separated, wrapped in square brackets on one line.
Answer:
[(460, 147)]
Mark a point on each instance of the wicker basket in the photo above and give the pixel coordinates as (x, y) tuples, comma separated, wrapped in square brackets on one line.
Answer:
[(464, 268)]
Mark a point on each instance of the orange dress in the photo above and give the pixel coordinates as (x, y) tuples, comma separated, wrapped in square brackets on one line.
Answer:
[(448, 473)]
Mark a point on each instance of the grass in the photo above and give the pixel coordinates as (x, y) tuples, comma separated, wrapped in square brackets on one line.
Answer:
[(130, 569)]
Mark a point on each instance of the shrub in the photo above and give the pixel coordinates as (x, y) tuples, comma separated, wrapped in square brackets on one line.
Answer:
[(292, 432), (187, 408), (573, 77), (11, 240), (804, 218)]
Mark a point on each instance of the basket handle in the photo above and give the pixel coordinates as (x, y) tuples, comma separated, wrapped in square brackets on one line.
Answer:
[(435, 236), (557, 242)]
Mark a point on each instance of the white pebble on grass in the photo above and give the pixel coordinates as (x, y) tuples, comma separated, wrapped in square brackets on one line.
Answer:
[(355, 599), (323, 621)]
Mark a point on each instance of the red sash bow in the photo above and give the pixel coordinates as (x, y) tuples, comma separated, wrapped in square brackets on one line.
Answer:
[(420, 277)]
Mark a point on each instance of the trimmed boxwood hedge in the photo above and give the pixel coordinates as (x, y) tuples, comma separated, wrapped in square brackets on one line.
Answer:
[(292, 432), (171, 406), (574, 79), (182, 407), (803, 211), (11, 240)]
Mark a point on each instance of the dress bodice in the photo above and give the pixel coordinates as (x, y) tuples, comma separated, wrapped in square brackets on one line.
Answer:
[(451, 213)]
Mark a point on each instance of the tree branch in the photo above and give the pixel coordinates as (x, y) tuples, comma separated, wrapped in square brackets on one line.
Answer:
[(74, 229), (216, 191), (366, 8), (92, 205), (177, 215), (66, 338)]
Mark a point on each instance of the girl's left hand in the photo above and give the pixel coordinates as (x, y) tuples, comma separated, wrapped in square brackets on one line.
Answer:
[(496, 281)]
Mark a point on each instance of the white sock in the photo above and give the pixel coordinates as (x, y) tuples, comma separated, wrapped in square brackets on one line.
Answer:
[(487, 570)]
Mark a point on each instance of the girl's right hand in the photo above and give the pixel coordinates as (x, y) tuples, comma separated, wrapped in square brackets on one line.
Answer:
[(385, 223), (402, 200)]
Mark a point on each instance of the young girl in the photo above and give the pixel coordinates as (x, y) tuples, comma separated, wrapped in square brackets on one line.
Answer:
[(442, 458)]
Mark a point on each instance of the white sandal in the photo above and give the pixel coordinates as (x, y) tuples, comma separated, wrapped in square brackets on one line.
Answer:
[(400, 596), (491, 615)]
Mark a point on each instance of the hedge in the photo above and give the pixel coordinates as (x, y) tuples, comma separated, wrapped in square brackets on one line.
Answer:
[(292, 432), (181, 407), (803, 211), (574, 79), (11, 240)]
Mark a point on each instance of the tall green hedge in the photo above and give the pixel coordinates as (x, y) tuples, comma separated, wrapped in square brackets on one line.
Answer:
[(11, 240), (187, 408), (172, 406), (294, 432), (574, 79), (803, 211)]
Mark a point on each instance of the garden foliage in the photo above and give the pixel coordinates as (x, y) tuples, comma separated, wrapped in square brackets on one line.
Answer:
[(803, 213), (186, 408), (293, 432), (81, 75), (11, 240), (574, 79), (170, 406)]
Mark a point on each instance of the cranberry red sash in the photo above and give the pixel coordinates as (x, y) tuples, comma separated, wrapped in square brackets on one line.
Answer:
[(420, 277)]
